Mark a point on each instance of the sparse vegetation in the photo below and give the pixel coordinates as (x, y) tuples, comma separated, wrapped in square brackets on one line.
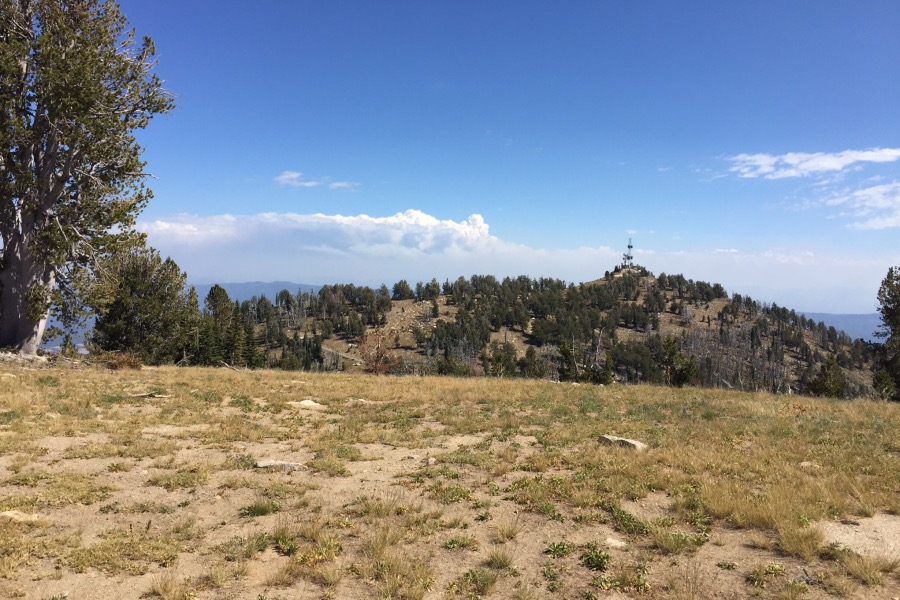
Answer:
[(423, 486)]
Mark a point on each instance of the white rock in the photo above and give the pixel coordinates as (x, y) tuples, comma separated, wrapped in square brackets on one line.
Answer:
[(614, 543), (310, 404), (623, 442), (284, 465), (19, 516)]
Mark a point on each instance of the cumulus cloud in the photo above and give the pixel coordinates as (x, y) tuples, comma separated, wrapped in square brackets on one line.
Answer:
[(803, 164), (319, 248), (413, 245)]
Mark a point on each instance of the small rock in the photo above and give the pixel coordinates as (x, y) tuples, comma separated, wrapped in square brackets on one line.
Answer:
[(614, 543), (284, 465), (310, 404), (431, 461), (19, 516), (623, 442)]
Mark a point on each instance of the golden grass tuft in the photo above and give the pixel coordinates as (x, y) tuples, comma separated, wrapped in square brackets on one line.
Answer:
[(868, 569)]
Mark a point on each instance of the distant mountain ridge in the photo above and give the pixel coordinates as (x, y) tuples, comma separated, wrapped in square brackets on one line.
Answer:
[(247, 289), (858, 326)]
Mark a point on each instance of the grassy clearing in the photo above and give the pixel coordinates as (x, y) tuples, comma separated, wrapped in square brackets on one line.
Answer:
[(464, 488)]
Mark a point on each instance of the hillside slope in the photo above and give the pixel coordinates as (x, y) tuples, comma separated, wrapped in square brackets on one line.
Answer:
[(629, 326)]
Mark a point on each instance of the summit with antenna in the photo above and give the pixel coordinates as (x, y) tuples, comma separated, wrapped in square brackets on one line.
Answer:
[(628, 258)]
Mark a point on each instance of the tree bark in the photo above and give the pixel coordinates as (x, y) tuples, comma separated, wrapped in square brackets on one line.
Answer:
[(19, 329)]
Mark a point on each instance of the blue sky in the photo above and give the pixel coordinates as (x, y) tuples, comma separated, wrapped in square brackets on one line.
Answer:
[(755, 144)]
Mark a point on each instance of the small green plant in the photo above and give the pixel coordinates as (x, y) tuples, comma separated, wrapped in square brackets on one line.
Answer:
[(330, 465), (188, 477), (450, 494), (466, 542), (623, 520), (627, 578), (242, 402), (48, 381), (726, 565), (760, 574), (558, 550), (794, 590), (284, 540), (474, 583), (551, 574), (594, 558), (260, 508), (239, 461), (675, 542), (239, 548)]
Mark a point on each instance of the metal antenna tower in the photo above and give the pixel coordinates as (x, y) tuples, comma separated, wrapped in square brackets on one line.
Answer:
[(628, 258)]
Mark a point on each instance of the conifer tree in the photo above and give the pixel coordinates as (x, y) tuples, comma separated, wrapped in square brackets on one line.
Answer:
[(75, 85), (252, 357), (889, 307), (236, 338), (142, 306)]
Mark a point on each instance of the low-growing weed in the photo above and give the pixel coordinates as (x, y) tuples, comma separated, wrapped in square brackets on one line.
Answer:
[(594, 558), (260, 508), (558, 550), (465, 542)]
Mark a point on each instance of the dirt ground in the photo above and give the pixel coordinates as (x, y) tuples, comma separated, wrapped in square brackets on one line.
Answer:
[(413, 478)]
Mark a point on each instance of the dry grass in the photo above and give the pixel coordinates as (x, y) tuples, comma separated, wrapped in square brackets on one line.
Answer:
[(412, 485), (869, 569)]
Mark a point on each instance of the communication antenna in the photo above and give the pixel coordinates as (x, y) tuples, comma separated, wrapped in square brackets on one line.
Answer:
[(628, 258)]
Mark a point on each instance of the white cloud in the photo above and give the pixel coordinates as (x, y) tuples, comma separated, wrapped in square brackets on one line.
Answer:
[(876, 207), (412, 245), (803, 164), (363, 249), (295, 179), (795, 278), (343, 185)]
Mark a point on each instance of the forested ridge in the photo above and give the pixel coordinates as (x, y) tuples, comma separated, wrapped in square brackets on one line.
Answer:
[(629, 327)]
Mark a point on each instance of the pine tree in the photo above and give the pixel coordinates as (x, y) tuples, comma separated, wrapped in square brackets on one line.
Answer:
[(889, 307), (142, 306), (75, 86), (252, 357), (235, 344)]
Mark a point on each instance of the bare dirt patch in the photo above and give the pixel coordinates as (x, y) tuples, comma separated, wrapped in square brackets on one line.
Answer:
[(427, 488), (875, 536)]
